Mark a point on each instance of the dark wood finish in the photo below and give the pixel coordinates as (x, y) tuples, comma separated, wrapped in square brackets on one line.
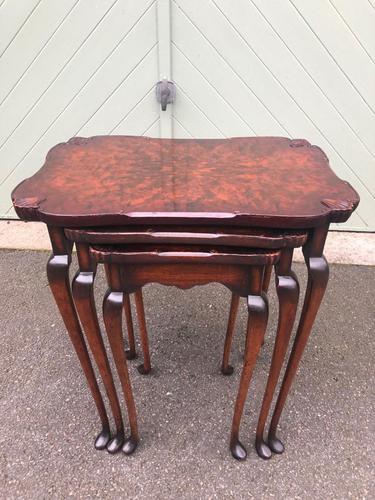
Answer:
[(197, 194), (183, 254), (83, 295), (318, 273), (268, 269), (226, 368), (154, 265), (112, 314), (58, 278), (106, 236), (145, 367), (189, 235), (118, 180), (131, 352), (256, 327), (291, 241), (288, 292), (128, 270), (248, 237)]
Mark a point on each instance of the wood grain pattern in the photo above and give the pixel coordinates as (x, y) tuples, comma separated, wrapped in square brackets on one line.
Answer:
[(124, 275), (318, 273), (207, 235), (257, 181), (58, 278)]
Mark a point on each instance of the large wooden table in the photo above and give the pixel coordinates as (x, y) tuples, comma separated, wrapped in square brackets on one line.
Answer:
[(237, 186)]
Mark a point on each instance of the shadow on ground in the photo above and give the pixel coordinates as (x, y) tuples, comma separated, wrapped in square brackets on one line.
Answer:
[(48, 421)]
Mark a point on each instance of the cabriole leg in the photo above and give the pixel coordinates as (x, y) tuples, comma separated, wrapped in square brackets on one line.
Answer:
[(112, 313), (318, 273), (131, 352), (226, 368), (58, 278), (267, 278), (288, 292), (256, 327), (83, 295), (145, 367)]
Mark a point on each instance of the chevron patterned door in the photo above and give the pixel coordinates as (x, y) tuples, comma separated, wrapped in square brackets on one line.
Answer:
[(72, 67), (293, 68)]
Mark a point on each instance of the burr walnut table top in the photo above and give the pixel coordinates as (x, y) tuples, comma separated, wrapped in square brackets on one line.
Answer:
[(120, 180)]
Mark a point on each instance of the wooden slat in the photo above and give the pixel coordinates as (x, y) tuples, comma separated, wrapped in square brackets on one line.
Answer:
[(130, 91), (44, 21), (153, 130), (107, 85), (163, 21), (192, 118), (292, 76), (247, 67), (61, 117), (359, 17), (205, 96), (213, 66), (317, 66), (13, 16), (179, 131), (51, 62), (140, 117), (241, 35), (341, 45)]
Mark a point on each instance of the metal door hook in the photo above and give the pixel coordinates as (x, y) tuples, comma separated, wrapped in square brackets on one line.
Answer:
[(165, 93)]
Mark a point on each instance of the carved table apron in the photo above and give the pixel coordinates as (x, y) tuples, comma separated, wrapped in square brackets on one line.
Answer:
[(244, 183)]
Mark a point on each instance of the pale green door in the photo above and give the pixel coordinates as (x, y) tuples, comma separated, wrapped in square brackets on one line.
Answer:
[(69, 68), (297, 68), (246, 67)]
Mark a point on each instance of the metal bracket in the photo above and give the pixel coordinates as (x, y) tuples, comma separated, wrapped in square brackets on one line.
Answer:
[(165, 93)]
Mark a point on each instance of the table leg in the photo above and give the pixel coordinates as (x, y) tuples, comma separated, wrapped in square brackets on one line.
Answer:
[(318, 273), (112, 314), (288, 292), (226, 368), (267, 278), (145, 367), (58, 278), (131, 352), (83, 295), (256, 327)]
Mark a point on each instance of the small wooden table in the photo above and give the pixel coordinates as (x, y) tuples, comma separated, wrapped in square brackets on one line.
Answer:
[(245, 183)]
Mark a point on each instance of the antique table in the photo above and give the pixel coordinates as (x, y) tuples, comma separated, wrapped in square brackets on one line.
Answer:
[(163, 257), (241, 184), (132, 266)]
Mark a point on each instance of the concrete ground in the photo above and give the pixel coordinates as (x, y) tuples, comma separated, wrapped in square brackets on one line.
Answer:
[(48, 421)]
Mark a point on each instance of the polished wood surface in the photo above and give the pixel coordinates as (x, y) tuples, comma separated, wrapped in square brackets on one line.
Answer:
[(58, 278), (122, 276), (182, 254), (112, 315), (287, 288), (83, 294), (255, 181), (186, 213), (286, 241), (205, 235), (131, 351), (318, 273)]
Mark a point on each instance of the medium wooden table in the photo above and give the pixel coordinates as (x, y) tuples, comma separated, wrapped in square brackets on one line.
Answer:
[(112, 181)]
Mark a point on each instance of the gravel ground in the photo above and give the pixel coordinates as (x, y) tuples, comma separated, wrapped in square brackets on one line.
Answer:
[(48, 421)]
